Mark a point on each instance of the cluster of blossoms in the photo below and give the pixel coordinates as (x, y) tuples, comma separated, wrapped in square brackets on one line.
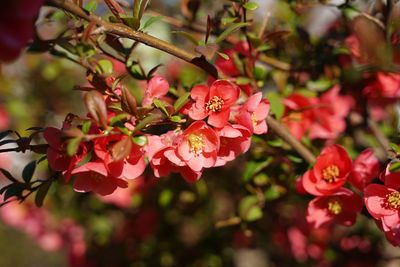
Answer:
[(320, 117), (212, 127), (332, 170)]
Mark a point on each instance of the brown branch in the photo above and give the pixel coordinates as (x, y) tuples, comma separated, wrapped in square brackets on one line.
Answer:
[(284, 133), (124, 31)]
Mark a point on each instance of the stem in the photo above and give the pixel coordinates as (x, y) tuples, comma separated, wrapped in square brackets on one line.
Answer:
[(124, 31), (384, 143), (284, 133)]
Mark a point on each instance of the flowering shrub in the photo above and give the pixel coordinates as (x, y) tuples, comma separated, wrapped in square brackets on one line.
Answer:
[(282, 126)]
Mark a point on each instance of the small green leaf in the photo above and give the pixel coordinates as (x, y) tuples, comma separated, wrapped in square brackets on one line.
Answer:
[(104, 66), (91, 6), (140, 140), (42, 192), (187, 36), (150, 21), (181, 101), (223, 55), (165, 198), (230, 30), (228, 20), (28, 171), (73, 145), (86, 126), (15, 190), (250, 6), (249, 210), (120, 118), (132, 22), (276, 102), (160, 105), (272, 193)]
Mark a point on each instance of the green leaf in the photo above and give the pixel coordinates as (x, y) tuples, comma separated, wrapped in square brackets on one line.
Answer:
[(187, 36), (104, 66), (181, 101), (28, 171), (15, 190), (91, 6), (146, 121), (253, 167), (73, 145), (150, 21), (86, 126), (228, 20), (42, 192), (250, 6), (132, 22), (120, 118), (249, 210), (223, 55), (276, 102), (140, 140), (230, 30), (160, 105), (4, 134), (165, 197)]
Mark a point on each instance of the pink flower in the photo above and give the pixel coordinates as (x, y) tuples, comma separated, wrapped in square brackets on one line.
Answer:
[(156, 88), (253, 113), (366, 167), (234, 140), (341, 207), (197, 148), (93, 176), (121, 156), (214, 102), (330, 172), (159, 147)]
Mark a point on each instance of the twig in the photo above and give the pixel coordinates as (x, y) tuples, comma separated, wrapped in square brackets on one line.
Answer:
[(380, 137), (124, 31), (284, 133)]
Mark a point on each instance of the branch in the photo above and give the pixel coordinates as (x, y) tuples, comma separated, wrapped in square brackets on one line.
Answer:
[(124, 31), (284, 133)]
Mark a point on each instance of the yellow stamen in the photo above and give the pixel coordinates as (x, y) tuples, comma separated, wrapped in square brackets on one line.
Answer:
[(330, 173), (214, 104), (393, 200), (196, 143), (334, 207)]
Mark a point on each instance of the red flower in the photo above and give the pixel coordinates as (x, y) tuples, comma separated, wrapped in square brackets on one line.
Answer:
[(299, 114), (234, 140), (57, 154), (253, 113), (197, 148), (214, 102), (93, 176), (158, 148), (16, 26), (341, 207), (383, 203), (366, 167), (330, 172), (156, 88)]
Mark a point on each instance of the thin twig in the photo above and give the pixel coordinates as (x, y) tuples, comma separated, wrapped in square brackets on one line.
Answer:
[(127, 32), (284, 133)]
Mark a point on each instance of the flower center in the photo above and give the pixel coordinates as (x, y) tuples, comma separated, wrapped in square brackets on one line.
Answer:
[(253, 119), (330, 173), (196, 143), (214, 104), (393, 200), (334, 207)]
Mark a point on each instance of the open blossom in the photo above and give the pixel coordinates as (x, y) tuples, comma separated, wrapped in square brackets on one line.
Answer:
[(330, 172), (366, 167), (321, 118), (253, 113), (121, 156), (156, 88), (234, 140), (93, 177), (383, 203), (299, 114), (157, 150), (341, 207), (197, 147), (214, 102)]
